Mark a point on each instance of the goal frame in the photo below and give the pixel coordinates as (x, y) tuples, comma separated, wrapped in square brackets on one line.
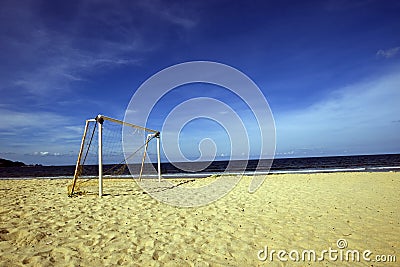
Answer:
[(99, 120)]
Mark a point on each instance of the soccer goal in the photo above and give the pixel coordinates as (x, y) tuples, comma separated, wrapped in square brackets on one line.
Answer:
[(102, 154)]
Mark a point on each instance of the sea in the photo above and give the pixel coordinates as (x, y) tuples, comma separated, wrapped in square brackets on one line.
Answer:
[(360, 163)]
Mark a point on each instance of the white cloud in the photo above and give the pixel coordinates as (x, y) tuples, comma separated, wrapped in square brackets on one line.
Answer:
[(15, 120), (45, 54), (45, 153), (170, 12), (388, 53), (357, 118), (30, 132)]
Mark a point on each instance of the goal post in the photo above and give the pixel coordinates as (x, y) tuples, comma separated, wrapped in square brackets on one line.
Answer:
[(102, 145)]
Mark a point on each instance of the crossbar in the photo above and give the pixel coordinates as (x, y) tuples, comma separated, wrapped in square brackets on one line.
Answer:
[(126, 123)]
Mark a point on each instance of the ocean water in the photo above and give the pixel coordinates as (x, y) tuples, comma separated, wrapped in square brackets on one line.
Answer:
[(370, 163)]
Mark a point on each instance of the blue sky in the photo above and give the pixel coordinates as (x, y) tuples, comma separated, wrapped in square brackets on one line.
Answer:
[(330, 70)]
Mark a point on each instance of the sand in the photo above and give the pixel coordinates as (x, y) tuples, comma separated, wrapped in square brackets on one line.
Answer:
[(41, 226)]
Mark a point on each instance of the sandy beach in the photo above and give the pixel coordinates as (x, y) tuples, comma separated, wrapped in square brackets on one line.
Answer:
[(41, 226)]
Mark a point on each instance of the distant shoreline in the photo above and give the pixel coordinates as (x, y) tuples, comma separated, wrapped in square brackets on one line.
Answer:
[(363, 163)]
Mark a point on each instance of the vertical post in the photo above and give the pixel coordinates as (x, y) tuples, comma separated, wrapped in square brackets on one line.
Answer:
[(78, 166), (144, 157), (158, 158), (100, 126)]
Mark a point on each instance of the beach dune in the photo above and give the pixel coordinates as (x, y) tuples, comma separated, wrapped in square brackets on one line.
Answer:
[(293, 213)]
